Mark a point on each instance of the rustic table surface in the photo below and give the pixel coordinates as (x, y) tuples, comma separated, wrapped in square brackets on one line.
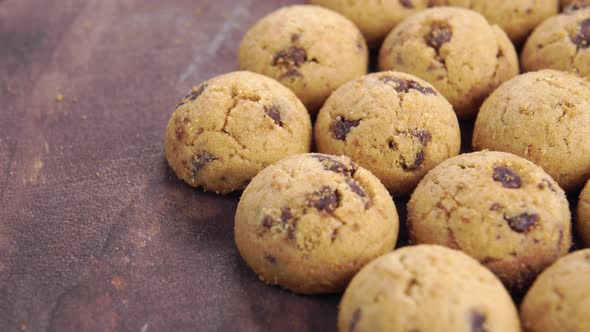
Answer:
[(96, 232)]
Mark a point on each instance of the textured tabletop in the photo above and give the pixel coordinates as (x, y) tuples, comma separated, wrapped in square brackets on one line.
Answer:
[(96, 233)]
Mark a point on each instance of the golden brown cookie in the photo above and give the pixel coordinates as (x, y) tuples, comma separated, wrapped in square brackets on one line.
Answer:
[(310, 222), (230, 127), (309, 49), (394, 124), (426, 288), (544, 117), (456, 50), (517, 17), (375, 18), (562, 43), (583, 216), (560, 297), (501, 209)]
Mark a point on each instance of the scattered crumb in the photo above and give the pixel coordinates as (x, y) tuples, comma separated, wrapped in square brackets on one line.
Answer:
[(98, 174), (84, 117), (59, 97)]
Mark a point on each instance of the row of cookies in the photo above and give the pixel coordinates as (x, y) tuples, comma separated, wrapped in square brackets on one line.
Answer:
[(310, 222)]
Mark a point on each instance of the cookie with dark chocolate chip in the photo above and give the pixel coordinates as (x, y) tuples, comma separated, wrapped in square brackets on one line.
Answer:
[(456, 50), (309, 49), (320, 217), (394, 124), (426, 288), (542, 116), (562, 43), (499, 208), (229, 128)]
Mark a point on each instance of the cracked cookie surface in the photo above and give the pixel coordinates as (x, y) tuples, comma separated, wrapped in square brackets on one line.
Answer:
[(309, 222), (454, 49), (426, 288), (229, 128), (375, 18), (500, 209), (516, 17), (309, 49), (561, 43), (544, 117), (559, 300), (394, 124)]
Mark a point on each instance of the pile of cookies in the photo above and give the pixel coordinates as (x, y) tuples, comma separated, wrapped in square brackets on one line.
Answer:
[(482, 224)]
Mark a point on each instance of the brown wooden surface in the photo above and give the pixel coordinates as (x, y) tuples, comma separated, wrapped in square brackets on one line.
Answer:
[(96, 234)]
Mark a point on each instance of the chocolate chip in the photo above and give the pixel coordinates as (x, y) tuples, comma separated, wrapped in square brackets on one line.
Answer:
[(293, 56), (496, 207), (325, 200), (404, 86), (295, 37), (271, 259), (523, 222), (407, 4), (268, 222), (194, 94), (341, 127), (477, 321), (438, 35), (356, 188), (507, 177), (274, 113), (424, 137), (200, 160), (582, 37), (356, 317), (333, 165), (286, 215), (292, 73)]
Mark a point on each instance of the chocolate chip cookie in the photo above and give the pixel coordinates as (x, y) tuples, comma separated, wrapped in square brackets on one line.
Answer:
[(229, 128), (426, 288), (309, 49), (310, 222), (456, 50), (375, 18), (517, 17), (501, 209), (562, 43), (394, 124), (560, 297), (542, 116), (583, 216)]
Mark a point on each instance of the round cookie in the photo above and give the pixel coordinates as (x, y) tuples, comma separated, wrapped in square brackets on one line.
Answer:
[(426, 288), (394, 124), (516, 17), (562, 43), (559, 300), (230, 127), (309, 49), (454, 49), (375, 19), (310, 222), (583, 216), (501, 209), (542, 116)]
